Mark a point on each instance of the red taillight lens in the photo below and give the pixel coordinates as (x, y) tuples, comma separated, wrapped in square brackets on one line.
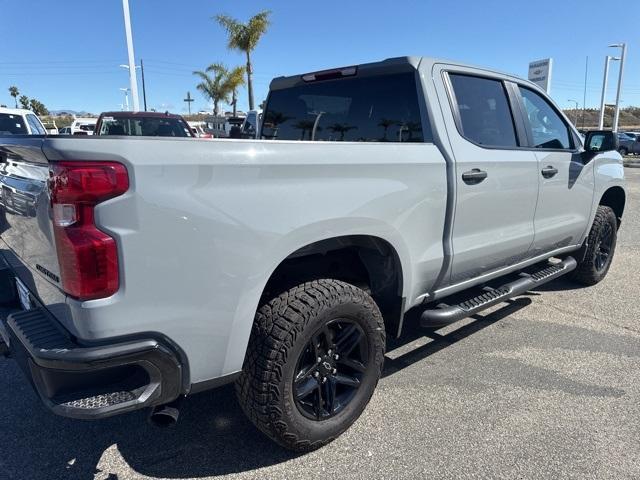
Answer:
[(88, 257)]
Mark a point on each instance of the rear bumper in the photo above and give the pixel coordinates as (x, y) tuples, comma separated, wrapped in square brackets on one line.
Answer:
[(89, 382)]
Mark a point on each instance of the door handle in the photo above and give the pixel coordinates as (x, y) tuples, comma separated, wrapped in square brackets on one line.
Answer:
[(549, 171), (474, 176)]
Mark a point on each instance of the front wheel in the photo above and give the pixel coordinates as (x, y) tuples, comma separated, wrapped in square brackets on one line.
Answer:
[(623, 151), (314, 359), (601, 245)]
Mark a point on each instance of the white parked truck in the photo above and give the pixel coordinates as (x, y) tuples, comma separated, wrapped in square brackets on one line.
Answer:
[(142, 270)]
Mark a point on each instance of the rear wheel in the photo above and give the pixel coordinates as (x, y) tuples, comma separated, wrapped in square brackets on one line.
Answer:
[(601, 245), (313, 361), (623, 151)]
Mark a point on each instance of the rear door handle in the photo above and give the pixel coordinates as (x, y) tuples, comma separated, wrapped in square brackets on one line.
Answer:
[(549, 171), (474, 176)]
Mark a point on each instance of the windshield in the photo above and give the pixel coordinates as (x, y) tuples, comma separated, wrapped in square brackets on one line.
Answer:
[(144, 126), (12, 125), (368, 109)]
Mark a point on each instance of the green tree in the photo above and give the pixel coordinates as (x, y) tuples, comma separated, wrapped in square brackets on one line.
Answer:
[(214, 85), (38, 107), (14, 92), (24, 102), (245, 37), (386, 123), (342, 129), (235, 79)]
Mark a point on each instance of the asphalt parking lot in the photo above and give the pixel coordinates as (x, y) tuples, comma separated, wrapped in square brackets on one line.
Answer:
[(547, 386)]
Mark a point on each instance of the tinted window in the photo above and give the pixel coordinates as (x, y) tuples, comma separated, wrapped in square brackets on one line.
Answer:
[(485, 115), (358, 109), (36, 128), (144, 126), (548, 130), (12, 125)]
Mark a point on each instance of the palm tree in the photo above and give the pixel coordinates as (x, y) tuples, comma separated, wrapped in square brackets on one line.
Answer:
[(245, 37), (24, 102), (305, 126), (214, 84), (386, 123), (235, 79), (14, 92), (341, 128)]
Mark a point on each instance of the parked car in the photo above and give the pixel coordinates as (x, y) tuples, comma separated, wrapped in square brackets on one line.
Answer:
[(152, 269), (83, 126), (18, 121), (147, 124), (635, 135), (251, 125), (628, 145), (197, 128), (64, 131)]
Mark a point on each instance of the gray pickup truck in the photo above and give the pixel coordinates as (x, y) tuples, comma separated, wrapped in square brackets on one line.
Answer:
[(137, 271)]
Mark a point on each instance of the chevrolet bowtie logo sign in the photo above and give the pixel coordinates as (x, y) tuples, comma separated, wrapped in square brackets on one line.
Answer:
[(540, 73)]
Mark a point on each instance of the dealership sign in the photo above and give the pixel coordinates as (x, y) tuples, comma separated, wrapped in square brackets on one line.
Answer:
[(540, 73)]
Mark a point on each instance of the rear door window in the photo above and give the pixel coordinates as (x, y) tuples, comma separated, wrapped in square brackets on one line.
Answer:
[(12, 125), (484, 111), (380, 108)]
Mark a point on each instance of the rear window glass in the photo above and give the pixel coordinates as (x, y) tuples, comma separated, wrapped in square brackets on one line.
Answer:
[(147, 127), (12, 125), (366, 109)]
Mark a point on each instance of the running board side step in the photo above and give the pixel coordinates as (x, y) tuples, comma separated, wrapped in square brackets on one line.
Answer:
[(447, 314)]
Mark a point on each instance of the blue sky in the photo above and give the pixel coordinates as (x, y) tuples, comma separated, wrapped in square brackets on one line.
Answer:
[(66, 52)]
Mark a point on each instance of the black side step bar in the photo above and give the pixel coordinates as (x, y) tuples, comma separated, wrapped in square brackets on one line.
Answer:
[(447, 314)]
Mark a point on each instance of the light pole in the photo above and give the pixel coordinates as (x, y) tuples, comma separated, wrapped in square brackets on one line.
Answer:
[(576, 120), (133, 79), (616, 115), (126, 98), (607, 59)]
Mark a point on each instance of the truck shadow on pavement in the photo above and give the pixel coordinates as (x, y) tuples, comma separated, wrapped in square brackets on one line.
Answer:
[(212, 437)]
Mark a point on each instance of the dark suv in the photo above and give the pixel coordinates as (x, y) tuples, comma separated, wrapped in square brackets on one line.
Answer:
[(146, 124)]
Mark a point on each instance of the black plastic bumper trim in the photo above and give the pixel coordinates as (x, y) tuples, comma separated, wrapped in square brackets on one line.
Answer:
[(44, 349), (440, 317)]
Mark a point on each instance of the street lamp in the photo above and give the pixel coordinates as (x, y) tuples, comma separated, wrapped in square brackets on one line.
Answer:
[(607, 60), (133, 80), (616, 115), (576, 120), (126, 98)]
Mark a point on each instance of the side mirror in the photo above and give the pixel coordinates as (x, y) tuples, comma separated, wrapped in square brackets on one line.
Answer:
[(598, 141)]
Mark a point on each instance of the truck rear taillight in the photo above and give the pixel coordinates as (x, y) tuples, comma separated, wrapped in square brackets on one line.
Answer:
[(88, 257)]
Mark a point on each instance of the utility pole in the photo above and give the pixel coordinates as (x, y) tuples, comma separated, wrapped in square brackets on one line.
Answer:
[(607, 59), (584, 96), (189, 100), (576, 115), (144, 87), (133, 80), (616, 115)]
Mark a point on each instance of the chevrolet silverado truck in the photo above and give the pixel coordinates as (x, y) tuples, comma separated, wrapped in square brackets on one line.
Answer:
[(138, 271)]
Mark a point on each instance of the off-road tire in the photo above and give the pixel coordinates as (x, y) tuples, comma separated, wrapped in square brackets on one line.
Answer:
[(281, 330), (586, 272)]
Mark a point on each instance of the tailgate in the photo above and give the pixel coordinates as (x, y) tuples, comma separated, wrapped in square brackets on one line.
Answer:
[(25, 223)]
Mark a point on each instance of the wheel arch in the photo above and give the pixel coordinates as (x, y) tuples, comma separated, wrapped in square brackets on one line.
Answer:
[(615, 198), (366, 261)]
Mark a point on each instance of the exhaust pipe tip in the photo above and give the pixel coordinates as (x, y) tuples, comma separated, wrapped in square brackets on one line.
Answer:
[(165, 415)]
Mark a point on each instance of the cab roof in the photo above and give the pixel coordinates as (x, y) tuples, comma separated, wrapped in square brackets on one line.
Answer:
[(390, 65)]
